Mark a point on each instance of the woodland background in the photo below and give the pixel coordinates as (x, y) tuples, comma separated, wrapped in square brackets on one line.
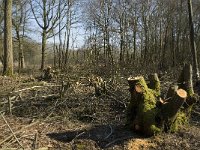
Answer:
[(91, 47)]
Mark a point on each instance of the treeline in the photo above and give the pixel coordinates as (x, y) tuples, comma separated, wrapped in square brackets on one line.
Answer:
[(154, 34), (147, 32)]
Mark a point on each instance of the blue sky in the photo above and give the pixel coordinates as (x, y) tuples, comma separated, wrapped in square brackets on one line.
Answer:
[(77, 32), (77, 35)]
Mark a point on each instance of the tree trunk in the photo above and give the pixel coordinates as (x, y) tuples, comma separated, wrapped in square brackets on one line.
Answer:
[(68, 32), (44, 39), (192, 40), (21, 53), (54, 51), (8, 48), (134, 38)]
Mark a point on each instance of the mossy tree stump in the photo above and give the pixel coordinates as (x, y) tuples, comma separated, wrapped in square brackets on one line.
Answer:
[(171, 110), (149, 114), (185, 82), (142, 109)]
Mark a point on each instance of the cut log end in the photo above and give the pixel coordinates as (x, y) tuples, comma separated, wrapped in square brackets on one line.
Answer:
[(134, 78), (138, 89), (182, 93)]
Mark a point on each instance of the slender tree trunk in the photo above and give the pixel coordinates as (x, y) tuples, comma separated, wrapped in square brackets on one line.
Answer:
[(22, 56), (54, 51), (21, 53), (192, 40), (134, 38), (68, 32), (44, 39), (60, 38), (8, 48), (121, 57), (1, 49)]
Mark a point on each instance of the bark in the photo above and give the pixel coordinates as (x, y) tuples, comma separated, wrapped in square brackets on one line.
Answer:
[(21, 53), (54, 52), (192, 40), (44, 40), (171, 91), (68, 32), (170, 109), (154, 83), (8, 48)]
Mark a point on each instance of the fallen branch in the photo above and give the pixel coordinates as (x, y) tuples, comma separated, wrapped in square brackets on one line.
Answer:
[(22, 129), (13, 134), (34, 87)]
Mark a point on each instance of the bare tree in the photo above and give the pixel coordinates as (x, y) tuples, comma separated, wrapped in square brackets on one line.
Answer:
[(20, 17), (46, 14)]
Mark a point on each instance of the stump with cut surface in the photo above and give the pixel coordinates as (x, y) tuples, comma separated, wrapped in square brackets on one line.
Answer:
[(149, 114), (142, 109)]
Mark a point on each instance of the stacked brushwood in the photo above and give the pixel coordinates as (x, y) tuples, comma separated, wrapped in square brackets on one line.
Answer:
[(150, 114)]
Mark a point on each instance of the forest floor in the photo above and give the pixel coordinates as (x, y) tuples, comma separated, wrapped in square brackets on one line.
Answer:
[(46, 117)]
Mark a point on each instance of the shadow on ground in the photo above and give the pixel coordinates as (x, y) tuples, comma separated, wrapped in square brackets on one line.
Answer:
[(104, 136)]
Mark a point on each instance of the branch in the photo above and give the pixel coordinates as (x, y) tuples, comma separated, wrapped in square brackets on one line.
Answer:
[(35, 15), (11, 131)]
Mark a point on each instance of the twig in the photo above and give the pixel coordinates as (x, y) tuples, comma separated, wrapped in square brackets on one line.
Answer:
[(31, 88), (11, 130), (53, 108), (9, 105), (111, 132), (72, 142), (22, 129), (197, 113), (35, 141)]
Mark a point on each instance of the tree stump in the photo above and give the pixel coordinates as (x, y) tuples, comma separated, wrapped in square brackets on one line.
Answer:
[(185, 82), (171, 109), (149, 114), (142, 108), (99, 85), (47, 74)]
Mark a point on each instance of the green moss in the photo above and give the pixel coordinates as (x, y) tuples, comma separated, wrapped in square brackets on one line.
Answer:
[(149, 100), (142, 83), (190, 91), (81, 146), (157, 89), (181, 120), (147, 112), (155, 129), (144, 106)]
